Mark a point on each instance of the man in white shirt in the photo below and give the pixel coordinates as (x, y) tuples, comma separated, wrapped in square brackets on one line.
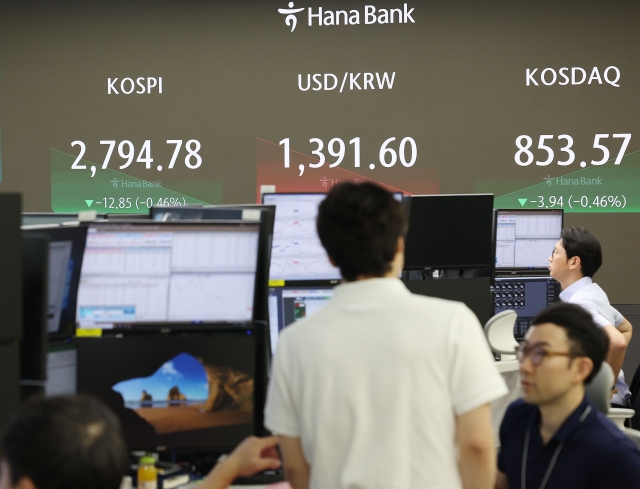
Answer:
[(381, 388), (574, 261)]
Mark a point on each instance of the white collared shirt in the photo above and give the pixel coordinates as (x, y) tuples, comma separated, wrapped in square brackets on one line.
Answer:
[(372, 384), (595, 301)]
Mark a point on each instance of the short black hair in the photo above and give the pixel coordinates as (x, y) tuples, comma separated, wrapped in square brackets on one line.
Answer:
[(581, 243), (586, 339), (66, 442), (359, 226)]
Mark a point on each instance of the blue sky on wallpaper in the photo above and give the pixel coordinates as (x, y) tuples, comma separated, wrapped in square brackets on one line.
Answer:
[(182, 370)]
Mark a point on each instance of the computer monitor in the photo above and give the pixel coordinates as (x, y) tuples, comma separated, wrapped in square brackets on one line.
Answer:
[(296, 253), (33, 346), (525, 237), (265, 214), (10, 269), (525, 295), (475, 292), (10, 305), (10, 382), (198, 391), (290, 304), (449, 231), (61, 369), (66, 249), (140, 274)]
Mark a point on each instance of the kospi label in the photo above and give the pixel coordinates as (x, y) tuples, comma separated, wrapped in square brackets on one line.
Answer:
[(127, 86), (317, 16)]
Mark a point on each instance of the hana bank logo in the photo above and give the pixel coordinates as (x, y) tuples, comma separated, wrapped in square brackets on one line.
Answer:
[(369, 15), (290, 19)]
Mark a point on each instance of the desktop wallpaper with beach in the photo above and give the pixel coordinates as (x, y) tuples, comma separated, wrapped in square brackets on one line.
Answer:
[(179, 392)]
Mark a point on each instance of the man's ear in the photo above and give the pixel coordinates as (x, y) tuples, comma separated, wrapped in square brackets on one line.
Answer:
[(400, 245), (575, 263), (584, 368)]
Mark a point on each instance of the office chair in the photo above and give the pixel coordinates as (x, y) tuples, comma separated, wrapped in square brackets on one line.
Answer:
[(499, 333), (634, 387), (599, 389), (599, 393), (633, 435)]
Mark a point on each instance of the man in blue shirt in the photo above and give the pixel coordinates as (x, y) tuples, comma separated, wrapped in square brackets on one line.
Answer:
[(554, 437)]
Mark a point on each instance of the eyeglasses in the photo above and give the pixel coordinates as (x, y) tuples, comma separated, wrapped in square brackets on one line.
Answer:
[(554, 253), (538, 354)]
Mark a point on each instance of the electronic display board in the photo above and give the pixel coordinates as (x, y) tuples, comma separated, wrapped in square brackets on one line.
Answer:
[(119, 105)]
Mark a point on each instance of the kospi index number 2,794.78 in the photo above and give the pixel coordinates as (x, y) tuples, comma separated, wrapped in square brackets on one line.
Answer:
[(126, 151)]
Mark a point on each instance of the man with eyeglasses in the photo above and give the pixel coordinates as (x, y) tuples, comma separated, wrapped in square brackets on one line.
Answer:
[(574, 261), (554, 437)]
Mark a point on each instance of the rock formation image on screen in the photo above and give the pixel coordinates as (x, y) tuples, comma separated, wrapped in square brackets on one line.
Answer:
[(188, 393)]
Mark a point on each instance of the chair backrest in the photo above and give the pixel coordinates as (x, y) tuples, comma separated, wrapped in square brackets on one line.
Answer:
[(633, 435), (499, 332), (599, 389), (634, 387)]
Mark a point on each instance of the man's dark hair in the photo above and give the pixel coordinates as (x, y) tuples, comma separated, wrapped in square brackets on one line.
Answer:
[(586, 339), (581, 243), (66, 442), (359, 226)]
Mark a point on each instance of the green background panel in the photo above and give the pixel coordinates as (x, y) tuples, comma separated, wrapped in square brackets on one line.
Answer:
[(76, 190), (594, 189)]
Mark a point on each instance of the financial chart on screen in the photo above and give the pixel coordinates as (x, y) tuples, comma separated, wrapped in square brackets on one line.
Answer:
[(290, 304), (525, 239), (137, 274), (296, 252)]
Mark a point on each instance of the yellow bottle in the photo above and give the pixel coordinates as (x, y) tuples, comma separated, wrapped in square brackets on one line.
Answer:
[(147, 473)]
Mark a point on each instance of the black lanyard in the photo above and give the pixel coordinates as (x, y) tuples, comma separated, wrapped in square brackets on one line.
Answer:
[(523, 473)]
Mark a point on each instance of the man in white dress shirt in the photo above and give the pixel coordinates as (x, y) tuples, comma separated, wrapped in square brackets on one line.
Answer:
[(381, 388), (575, 259)]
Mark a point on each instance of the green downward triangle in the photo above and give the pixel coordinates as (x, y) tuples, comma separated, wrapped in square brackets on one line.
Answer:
[(89, 202), (522, 202)]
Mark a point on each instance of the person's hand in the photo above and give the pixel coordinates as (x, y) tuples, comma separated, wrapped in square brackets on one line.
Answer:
[(254, 455)]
